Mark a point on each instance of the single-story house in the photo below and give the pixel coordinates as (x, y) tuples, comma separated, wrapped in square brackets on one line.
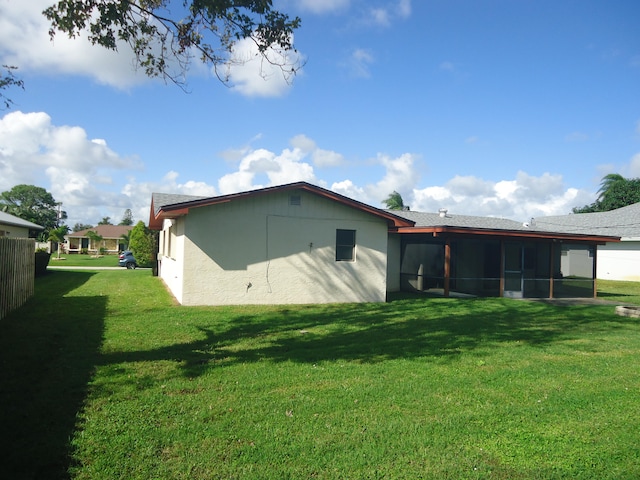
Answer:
[(15, 227), (616, 260), (300, 243), (112, 241)]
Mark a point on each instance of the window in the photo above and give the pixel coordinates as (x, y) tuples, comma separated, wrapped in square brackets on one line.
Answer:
[(345, 245)]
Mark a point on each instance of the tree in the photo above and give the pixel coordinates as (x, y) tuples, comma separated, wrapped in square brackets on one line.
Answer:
[(615, 192), (127, 218), (105, 221), (95, 240), (8, 79), (142, 243), (164, 44), (394, 201), (81, 226), (126, 238), (33, 204), (57, 235)]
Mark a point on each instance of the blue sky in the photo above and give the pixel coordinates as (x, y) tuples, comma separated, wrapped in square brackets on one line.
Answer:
[(505, 108)]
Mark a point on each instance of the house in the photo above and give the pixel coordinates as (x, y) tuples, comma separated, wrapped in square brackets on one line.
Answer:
[(15, 227), (616, 260), (112, 241), (299, 243), (295, 243)]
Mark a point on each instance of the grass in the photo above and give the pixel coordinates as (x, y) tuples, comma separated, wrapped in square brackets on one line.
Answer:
[(79, 260), (104, 377)]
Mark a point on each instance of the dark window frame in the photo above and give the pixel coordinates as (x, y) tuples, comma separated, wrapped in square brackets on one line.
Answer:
[(345, 245)]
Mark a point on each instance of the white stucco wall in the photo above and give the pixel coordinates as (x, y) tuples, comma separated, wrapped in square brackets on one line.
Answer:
[(619, 261), (13, 231), (172, 259), (261, 250)]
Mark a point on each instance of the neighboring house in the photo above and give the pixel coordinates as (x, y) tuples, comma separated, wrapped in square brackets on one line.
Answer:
[(299, 243), (15, 227), (112, 241), (616, 260)]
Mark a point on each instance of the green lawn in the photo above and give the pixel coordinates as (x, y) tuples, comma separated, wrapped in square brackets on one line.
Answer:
[(104, 377), (79, 260)]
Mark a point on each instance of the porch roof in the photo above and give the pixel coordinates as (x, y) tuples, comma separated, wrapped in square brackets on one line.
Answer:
[(444, 223)]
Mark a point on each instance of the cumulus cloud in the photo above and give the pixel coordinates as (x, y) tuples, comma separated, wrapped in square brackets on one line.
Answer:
[(86, 175), (262, 168), (524, 197), (24, 41), (320, 157), (253, 75), (77, 170)]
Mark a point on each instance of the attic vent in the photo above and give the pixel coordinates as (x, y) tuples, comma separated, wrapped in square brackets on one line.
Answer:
[(442, 212), (295, 200)]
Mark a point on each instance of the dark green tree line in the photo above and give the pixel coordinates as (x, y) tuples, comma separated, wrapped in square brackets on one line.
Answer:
[(615, 191)]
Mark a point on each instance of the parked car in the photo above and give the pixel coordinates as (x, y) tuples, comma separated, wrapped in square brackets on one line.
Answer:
[(127, 260)]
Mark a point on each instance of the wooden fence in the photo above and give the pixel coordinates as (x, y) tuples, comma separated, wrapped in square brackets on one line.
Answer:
[(17, 273)]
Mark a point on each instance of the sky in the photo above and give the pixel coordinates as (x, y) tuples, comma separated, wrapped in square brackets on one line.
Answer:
[(505, 108)]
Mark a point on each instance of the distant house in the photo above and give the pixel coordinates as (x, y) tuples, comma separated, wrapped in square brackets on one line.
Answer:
[(15, 227), (616, 260), (299, 243), (80, 242)]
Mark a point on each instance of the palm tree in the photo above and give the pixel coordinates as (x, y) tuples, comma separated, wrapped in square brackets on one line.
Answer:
[(57, 235), (126, 237), (95, 240), (394, 201)]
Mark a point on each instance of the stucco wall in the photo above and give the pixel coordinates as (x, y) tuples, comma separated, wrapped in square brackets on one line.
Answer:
[(261, 250), (619, 261), (13, 231), (171, 262)]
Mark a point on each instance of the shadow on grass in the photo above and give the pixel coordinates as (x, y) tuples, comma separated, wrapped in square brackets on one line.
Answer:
[(48, 351), (369, 333)]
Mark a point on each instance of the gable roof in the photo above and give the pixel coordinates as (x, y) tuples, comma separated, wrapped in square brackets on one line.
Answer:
[(164, 206), (105, 231), (622, 222), (8, 219)]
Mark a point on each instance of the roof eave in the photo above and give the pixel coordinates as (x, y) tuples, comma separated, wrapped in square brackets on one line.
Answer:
[(442, 230)]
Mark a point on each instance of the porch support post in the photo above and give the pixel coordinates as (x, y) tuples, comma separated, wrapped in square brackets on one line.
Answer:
[(594, 274), (501, 294), (552, 253), (447, 266)]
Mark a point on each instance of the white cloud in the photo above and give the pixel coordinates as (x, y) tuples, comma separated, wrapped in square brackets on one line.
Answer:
[(320, 157), (359, 62), (520, 199), (404, 8), (262, 168), (253, 75), (384, 16), (75, 169), (25, 42), (322, 6), (634, 166)]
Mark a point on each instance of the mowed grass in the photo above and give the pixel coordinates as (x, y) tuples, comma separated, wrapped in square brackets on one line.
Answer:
[(104, 377), (80, 260)]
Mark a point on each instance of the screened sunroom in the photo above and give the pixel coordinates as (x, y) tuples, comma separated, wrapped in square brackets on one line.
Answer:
[(516, 262)]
